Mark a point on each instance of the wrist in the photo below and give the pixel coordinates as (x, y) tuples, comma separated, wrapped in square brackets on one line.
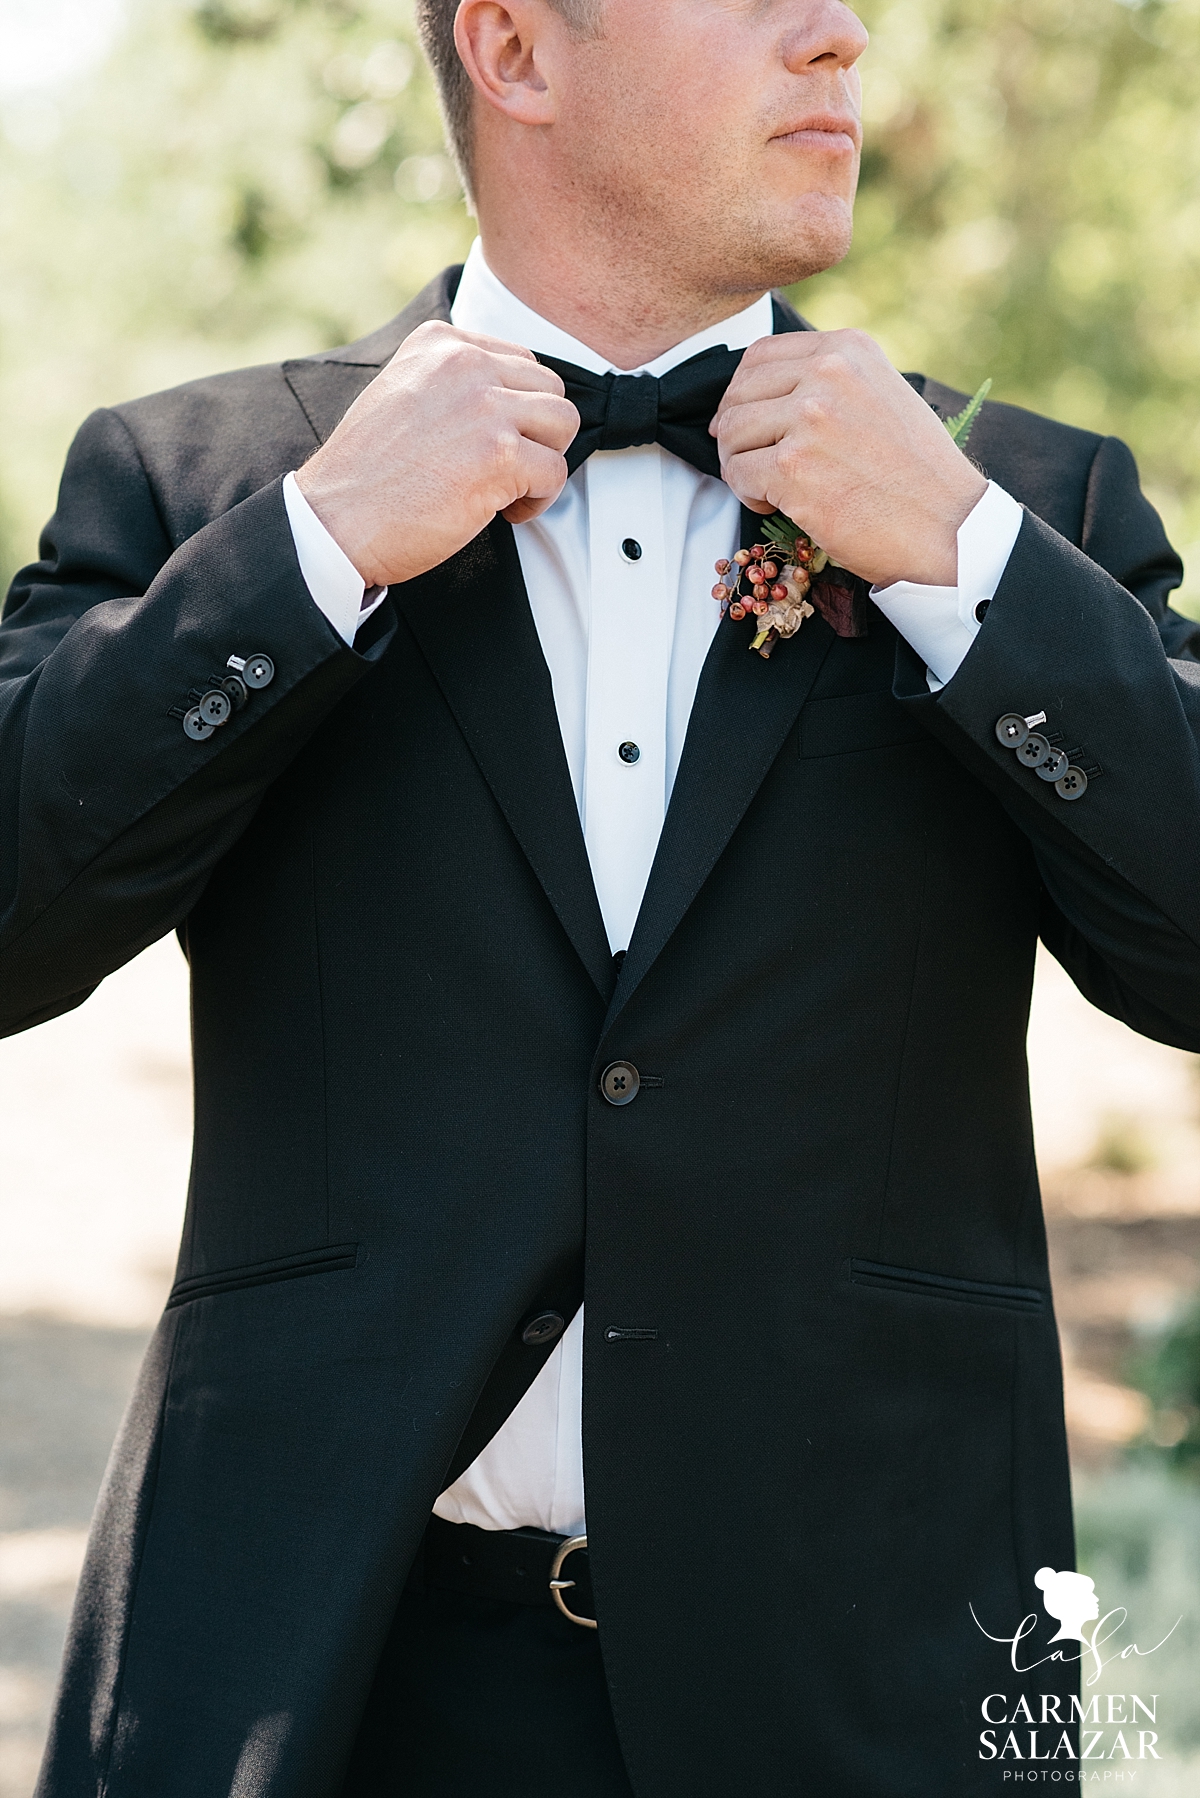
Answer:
[(336, 513), (929, 556)]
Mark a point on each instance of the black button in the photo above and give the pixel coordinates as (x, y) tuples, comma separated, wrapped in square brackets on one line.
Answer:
[(1071, 785), (619, 959), (1053, 766), (1011, 730), (619, 1082), (631, 549), (216, 707), (235, 686), (546, 1327), (629, 752), (1033, 750), (981, 610), (195, 727), (259, 671)]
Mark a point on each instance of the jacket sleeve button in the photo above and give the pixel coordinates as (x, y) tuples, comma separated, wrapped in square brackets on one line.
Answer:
[(195, 727), (1012, 730), (215, 707), (1052, 767), (1033, 750), (259, 671), (1072, 784)]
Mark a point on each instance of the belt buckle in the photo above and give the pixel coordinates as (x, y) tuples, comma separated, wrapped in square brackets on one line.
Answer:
[(558, 1585)]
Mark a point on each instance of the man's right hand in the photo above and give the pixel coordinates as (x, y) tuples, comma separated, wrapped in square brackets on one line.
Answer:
[(456, 428)]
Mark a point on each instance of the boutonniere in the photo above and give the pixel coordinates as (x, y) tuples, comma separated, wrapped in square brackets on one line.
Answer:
[(787, 577)]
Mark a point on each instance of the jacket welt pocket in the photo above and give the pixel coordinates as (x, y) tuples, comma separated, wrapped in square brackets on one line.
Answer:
[(265, 1273), (856, 721), (943, 1286)]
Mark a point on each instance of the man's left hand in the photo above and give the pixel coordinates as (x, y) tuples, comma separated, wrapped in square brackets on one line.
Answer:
[(819, 425)]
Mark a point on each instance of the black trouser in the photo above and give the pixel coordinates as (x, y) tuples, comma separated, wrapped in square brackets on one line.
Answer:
[(483, 1698)]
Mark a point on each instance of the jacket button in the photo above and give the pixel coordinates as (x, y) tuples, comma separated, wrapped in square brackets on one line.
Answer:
[(620, 1082), (195, 727), (1033, 750), (235, 686), (1053, 766), (1072, 784), (1012, 730), (258, 672), (981, 610), (543, 1328), (215, 707)]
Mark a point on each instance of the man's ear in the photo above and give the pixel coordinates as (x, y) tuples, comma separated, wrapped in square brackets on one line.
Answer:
[(499, 46)]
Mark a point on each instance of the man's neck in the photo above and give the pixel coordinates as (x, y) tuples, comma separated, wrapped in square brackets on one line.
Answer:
[(628, 321)]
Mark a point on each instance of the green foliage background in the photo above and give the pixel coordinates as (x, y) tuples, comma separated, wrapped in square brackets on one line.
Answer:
[(244, 179)]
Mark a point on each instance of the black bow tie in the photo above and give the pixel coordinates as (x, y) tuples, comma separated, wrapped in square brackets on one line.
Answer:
[(675, 409)]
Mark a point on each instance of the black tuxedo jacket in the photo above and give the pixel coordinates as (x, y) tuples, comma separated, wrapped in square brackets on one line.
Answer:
[(838, 1425)]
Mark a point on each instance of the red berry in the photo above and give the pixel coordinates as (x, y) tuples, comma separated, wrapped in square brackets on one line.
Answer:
[(758, 551), (723, 566), (720, 591), (770, 570), (758, 607), (803, 553), (742, 558), (778, 592), (737, 610), (761, 589)]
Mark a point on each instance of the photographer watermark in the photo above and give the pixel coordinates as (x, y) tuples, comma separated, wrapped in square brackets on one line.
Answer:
[(1117, 1727)]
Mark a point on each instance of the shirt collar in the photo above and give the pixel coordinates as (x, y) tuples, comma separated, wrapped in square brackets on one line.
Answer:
[(484, 304)]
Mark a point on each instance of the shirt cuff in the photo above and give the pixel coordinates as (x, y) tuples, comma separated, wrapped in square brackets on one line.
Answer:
[(330, 576), (941, 623)]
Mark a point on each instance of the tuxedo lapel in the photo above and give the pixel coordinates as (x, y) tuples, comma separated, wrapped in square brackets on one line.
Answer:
[(325, 386), (743, 711), (472, 620), (744, 708)]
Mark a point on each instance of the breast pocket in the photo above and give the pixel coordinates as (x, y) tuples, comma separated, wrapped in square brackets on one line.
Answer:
[(856, 721)]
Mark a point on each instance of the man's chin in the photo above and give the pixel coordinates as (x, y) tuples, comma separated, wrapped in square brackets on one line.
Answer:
[(805, 241)]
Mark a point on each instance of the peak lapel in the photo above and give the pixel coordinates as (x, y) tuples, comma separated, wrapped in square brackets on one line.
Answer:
[(744, 709), (326, 386), (491, 670), (489, 663)]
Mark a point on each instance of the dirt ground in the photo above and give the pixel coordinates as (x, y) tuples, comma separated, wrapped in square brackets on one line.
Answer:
[(95, 1123)]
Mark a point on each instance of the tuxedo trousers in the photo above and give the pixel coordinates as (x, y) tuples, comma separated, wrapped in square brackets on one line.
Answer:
[(483, 1698)]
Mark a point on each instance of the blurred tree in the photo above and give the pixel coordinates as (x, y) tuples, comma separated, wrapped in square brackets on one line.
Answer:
[(1030, 210), (1169, 1375), (249, 178)]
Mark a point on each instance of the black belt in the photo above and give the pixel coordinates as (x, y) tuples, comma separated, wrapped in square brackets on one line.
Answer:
[(518, 1566)]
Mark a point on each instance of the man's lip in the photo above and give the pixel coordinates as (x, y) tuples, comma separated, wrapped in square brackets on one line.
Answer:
[(828, 125)]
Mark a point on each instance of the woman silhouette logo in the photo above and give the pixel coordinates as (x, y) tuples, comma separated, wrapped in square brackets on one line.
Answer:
[(1070, 1598)]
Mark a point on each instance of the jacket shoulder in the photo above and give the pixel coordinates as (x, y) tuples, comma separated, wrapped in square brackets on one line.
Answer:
[(1042, 463)]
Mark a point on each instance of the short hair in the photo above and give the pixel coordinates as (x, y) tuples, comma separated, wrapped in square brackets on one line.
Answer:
[(435, 22)]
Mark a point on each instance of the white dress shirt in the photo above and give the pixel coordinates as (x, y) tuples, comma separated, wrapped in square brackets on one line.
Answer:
[(625, 636)]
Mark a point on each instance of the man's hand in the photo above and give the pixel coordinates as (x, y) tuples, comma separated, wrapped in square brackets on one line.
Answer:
[(456, 428), (819, 425)]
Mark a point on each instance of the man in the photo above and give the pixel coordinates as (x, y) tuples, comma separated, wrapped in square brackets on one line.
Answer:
[(545, 940)]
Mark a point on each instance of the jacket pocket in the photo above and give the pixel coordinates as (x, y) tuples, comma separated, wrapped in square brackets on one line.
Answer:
[(943, 1286), (265, 1273), (856, 721)]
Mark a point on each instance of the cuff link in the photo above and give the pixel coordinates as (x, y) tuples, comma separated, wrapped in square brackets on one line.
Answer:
[(1041, 753), (225, 695)]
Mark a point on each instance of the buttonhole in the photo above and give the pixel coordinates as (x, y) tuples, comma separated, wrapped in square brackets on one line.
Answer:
[(613, 1334)]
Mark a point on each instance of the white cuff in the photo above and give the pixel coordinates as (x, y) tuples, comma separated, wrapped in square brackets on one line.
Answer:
[(941, 623), (329, 574)]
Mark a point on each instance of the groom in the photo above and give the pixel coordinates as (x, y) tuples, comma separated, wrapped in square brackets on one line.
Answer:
[(546, 943)]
